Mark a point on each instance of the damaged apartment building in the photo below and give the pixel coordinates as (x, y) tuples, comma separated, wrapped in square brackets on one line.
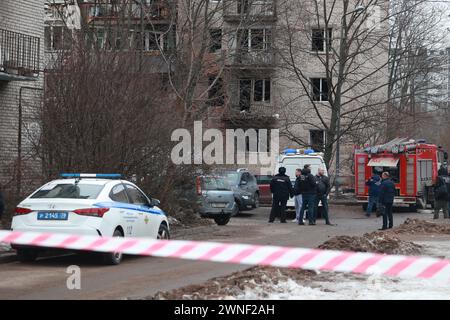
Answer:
[(21, 85)]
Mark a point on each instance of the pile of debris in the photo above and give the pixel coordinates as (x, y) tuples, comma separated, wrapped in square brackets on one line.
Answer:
[(263, 278), (228, 287), (417, 226), (377, 242)]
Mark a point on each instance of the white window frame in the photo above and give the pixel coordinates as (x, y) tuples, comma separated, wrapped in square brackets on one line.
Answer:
[(326, 41), (320, 89), (249, 39)]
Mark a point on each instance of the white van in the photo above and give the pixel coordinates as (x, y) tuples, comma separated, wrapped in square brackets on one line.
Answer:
[(293, 159)]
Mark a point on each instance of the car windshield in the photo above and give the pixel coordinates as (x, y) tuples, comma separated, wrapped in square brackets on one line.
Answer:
[(215, 183), (69, 191), (232, 178)]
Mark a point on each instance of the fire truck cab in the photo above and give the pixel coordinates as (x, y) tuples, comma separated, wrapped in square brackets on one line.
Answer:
[(413, 166)]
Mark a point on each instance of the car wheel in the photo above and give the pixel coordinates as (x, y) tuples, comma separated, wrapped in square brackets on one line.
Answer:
[(114, 258), (222, 220), (256, 201), (27, 254), (364, 206), (163, 232), (236, 209), (413, 207)]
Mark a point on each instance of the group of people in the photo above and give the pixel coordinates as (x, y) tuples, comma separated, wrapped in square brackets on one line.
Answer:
[(308, 192), (382, 193)]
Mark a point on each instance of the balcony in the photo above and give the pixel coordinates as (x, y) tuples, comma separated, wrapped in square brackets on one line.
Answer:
[(250, 10), (257, 115), (252, 59), (108, 10), (19, 56)]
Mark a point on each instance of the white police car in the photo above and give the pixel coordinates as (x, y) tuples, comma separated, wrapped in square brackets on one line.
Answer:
[(90, 204)]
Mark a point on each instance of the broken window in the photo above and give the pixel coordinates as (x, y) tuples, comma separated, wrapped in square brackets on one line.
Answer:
[(215, 93), (320, 89), (320, 39), (216, 40), (317, 139)]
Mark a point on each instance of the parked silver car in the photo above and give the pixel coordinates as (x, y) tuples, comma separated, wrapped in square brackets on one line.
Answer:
[(216, 199)]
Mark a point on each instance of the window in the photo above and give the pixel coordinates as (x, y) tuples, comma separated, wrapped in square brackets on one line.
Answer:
[(57, 38), (243, 6), (69, 191), (317, 139), (262, 90), (320, 39), (216, 40), (320, 89), (136, 196), (254, 39), (151, 41), (119, 194), (215, 93)]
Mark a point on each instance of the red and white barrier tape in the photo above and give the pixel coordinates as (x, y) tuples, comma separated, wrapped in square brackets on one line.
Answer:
[(310, 259)]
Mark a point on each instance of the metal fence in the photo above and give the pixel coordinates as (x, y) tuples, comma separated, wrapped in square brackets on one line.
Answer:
[(19, 53)]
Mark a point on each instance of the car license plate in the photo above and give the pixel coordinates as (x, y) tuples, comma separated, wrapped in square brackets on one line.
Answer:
[(218, 205), (53, 215)]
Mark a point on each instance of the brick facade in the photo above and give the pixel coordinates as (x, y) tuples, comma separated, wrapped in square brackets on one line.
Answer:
[(25, 17)]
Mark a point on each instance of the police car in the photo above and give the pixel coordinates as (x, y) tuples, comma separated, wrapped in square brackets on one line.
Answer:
[(90, 204)]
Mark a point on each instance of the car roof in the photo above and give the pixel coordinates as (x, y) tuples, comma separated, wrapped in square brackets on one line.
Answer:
[(85, 181)]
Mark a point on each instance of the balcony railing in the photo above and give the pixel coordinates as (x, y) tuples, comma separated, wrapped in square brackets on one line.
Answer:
[(262, 58), (236, 10), (255, 114), (19, 54), (154, 10)]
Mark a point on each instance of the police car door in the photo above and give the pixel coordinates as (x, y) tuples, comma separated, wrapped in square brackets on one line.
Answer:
[(136, 216)]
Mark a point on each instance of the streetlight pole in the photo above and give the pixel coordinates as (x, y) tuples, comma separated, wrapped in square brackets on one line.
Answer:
[(358, 10)]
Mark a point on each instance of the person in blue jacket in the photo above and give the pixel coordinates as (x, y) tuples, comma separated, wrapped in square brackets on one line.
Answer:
[(374, 184), (386, 198)]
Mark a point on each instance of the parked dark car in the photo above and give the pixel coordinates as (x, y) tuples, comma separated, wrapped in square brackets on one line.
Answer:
[(245, 187)]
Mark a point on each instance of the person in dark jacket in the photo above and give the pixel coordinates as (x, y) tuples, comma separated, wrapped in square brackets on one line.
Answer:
[(374, 184), (323, 189), (281, 188), (308, 186), (298, 194), (386, 198), (442, 193)]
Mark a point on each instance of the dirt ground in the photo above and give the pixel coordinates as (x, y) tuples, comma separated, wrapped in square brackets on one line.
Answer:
[(264, 278)]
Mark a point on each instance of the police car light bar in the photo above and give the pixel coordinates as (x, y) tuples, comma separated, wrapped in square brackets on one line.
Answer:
[(92, 175)]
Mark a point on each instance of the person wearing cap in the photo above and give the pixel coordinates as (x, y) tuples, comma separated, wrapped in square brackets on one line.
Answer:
[(281, 189), (308, 186)]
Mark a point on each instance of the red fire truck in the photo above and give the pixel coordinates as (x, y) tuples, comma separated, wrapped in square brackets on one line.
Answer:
[(412, 164)]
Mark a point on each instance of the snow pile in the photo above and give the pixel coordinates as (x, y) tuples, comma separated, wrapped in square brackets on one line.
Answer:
[(349, 287), (378, 242)]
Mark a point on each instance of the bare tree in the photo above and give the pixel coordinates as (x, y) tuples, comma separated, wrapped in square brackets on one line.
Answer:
[(335, 65)]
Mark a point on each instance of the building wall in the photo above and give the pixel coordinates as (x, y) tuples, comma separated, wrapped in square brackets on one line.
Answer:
[(26, 17)]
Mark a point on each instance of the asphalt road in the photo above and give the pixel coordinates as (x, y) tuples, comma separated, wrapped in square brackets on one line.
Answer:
[(138, 276)]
